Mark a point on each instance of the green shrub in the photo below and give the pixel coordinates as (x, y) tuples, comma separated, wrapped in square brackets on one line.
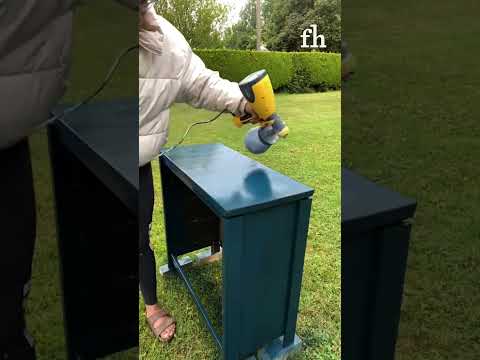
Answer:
[(322, 69), (301, 81), (291, 71)]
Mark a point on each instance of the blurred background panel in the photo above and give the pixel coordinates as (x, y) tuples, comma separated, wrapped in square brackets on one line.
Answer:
[(410, 121), (102, 30)]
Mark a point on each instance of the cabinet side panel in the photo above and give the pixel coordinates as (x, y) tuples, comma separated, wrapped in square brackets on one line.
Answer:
[(96, 232), (266, 265), (359, 274)]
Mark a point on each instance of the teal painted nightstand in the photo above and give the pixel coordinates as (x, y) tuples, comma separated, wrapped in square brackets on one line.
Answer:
[(215, 196)]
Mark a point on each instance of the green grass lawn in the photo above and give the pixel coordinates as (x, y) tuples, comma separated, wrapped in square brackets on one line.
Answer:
[(410, 121), (310, 155)]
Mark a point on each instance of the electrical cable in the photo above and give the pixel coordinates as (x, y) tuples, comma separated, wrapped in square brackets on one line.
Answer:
[(188, 130), (103, 84)]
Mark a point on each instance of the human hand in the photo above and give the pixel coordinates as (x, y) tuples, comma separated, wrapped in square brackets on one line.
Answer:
[(254, 118)]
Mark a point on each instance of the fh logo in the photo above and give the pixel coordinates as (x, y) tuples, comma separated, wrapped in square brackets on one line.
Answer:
[(312, 32)]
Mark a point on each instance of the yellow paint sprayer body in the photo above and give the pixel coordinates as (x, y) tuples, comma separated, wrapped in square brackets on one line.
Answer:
[(257, 89)]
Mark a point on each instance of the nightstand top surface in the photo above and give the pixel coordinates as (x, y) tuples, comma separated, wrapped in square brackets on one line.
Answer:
[(231, 183)]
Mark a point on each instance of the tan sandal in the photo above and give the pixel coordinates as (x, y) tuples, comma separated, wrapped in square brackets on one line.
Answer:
[(161, 325)]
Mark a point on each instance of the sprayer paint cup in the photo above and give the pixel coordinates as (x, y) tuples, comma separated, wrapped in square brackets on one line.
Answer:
[(259, 139)]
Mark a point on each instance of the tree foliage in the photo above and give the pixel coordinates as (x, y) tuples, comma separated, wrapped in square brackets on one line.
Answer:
[(200, 21), (242, 35), (285, 21)]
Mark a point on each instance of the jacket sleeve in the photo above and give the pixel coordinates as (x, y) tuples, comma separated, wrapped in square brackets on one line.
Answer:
[(204, 88)]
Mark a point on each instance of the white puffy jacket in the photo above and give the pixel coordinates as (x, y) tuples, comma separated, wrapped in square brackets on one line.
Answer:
[(35, 41), (170, 72)]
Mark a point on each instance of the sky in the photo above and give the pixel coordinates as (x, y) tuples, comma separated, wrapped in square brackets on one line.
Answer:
[(235, 8)]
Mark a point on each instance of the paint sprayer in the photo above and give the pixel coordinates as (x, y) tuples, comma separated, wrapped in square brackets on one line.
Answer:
[(257, 89)]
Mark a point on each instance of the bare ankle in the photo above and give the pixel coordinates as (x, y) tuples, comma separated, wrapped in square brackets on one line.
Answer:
[(151, 308)]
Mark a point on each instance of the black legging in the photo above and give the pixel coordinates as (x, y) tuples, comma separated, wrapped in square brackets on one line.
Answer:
[(146, 261), (17, 239)]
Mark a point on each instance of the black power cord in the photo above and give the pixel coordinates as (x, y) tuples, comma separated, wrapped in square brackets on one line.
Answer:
[(188, 130), (100, 88)]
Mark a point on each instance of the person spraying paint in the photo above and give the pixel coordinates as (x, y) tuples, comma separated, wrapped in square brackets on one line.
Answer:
[(169, 72)]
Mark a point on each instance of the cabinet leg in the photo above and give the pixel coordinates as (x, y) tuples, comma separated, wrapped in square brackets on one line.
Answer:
[(232, 230), (298, 256)]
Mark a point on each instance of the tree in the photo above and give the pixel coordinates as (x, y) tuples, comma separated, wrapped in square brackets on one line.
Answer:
[(285, 21), (258, 26), (200, 21), (242, 35)]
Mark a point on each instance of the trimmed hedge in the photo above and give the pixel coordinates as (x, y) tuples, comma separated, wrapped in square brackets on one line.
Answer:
[(291, 71), (320, 71), (234, 65)]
